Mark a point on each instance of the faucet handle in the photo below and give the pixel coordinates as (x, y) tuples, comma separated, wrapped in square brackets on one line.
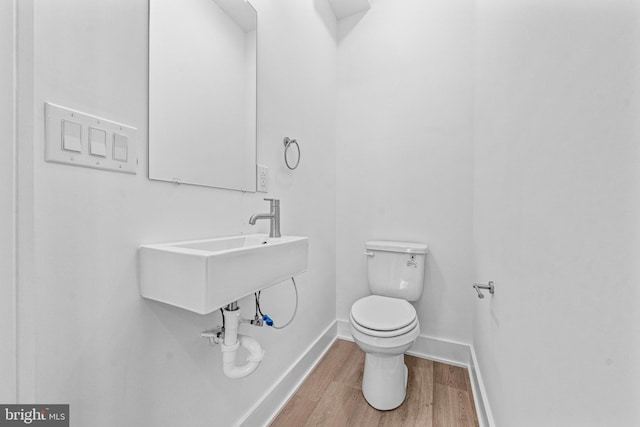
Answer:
[(274, 202)]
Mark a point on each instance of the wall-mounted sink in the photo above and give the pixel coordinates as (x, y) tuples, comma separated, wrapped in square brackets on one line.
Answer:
[(204, 275)]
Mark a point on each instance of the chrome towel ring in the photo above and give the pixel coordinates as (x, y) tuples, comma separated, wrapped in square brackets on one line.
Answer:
[(288, 143)]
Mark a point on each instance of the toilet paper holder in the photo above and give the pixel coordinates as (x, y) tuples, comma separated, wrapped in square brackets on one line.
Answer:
[(489, 286)]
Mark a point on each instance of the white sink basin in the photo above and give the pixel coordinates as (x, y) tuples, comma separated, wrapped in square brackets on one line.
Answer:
[(204, 275)]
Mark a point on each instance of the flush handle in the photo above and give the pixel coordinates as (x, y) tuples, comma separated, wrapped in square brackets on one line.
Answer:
[(367, 253)]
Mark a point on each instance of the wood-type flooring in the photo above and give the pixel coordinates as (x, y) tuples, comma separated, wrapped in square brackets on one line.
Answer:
[(438, 395)]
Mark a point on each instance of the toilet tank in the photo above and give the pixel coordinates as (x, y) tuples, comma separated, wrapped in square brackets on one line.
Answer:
[(396, 269)]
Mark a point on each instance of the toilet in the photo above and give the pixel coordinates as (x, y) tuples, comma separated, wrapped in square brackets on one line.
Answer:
[(385, 325)]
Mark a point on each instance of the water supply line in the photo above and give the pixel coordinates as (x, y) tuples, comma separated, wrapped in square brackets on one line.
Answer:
[(268, 319)]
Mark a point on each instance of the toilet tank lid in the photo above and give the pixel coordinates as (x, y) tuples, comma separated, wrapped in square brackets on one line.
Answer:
[(393, 246)]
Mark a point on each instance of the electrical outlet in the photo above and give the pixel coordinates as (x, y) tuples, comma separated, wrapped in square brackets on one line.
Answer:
[(263, 178)]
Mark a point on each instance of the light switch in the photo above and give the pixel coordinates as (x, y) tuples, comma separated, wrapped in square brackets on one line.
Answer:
[(71, 136), (120, 147), (80, 139), (97, 142)]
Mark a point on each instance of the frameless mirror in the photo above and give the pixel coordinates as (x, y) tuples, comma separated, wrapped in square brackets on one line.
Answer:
[(202, 92)]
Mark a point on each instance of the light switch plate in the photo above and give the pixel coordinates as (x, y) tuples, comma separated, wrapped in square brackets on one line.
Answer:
[(62, 147), (263, 178)]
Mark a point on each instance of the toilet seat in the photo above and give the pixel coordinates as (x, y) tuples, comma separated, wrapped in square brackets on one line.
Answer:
[(383, 317), (384, 334)]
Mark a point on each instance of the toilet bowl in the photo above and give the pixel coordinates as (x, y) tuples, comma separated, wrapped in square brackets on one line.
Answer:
[(385, 325), (384, 328)]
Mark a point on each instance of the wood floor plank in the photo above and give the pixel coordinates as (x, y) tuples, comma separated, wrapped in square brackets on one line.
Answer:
[(469, 390), (441, 406), (453, 408), (295, 412), (326, 371), (362, 414), (462, 413), (419, 398), (351, 372), (334, 407), (467, 382), (451, 376), (438, 395)]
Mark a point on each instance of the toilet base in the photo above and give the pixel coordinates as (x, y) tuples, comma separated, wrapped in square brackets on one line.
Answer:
[(384, 381)]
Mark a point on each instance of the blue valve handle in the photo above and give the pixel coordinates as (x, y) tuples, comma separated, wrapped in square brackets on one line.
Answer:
[(267, 320)]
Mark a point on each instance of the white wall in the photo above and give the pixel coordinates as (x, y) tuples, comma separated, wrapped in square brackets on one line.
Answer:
[(119, 359), (404, 150), (7, 206), (557, 210)]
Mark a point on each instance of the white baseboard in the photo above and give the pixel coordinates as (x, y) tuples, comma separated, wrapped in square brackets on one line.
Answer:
[(343, 330), (439, 350), (265, 410), (483, 409), (452, 353)]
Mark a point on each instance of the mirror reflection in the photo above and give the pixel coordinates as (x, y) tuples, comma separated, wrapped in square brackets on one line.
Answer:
[(202, 92)]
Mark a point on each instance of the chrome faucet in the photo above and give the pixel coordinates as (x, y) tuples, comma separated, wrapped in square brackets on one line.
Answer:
[(274, 216)]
